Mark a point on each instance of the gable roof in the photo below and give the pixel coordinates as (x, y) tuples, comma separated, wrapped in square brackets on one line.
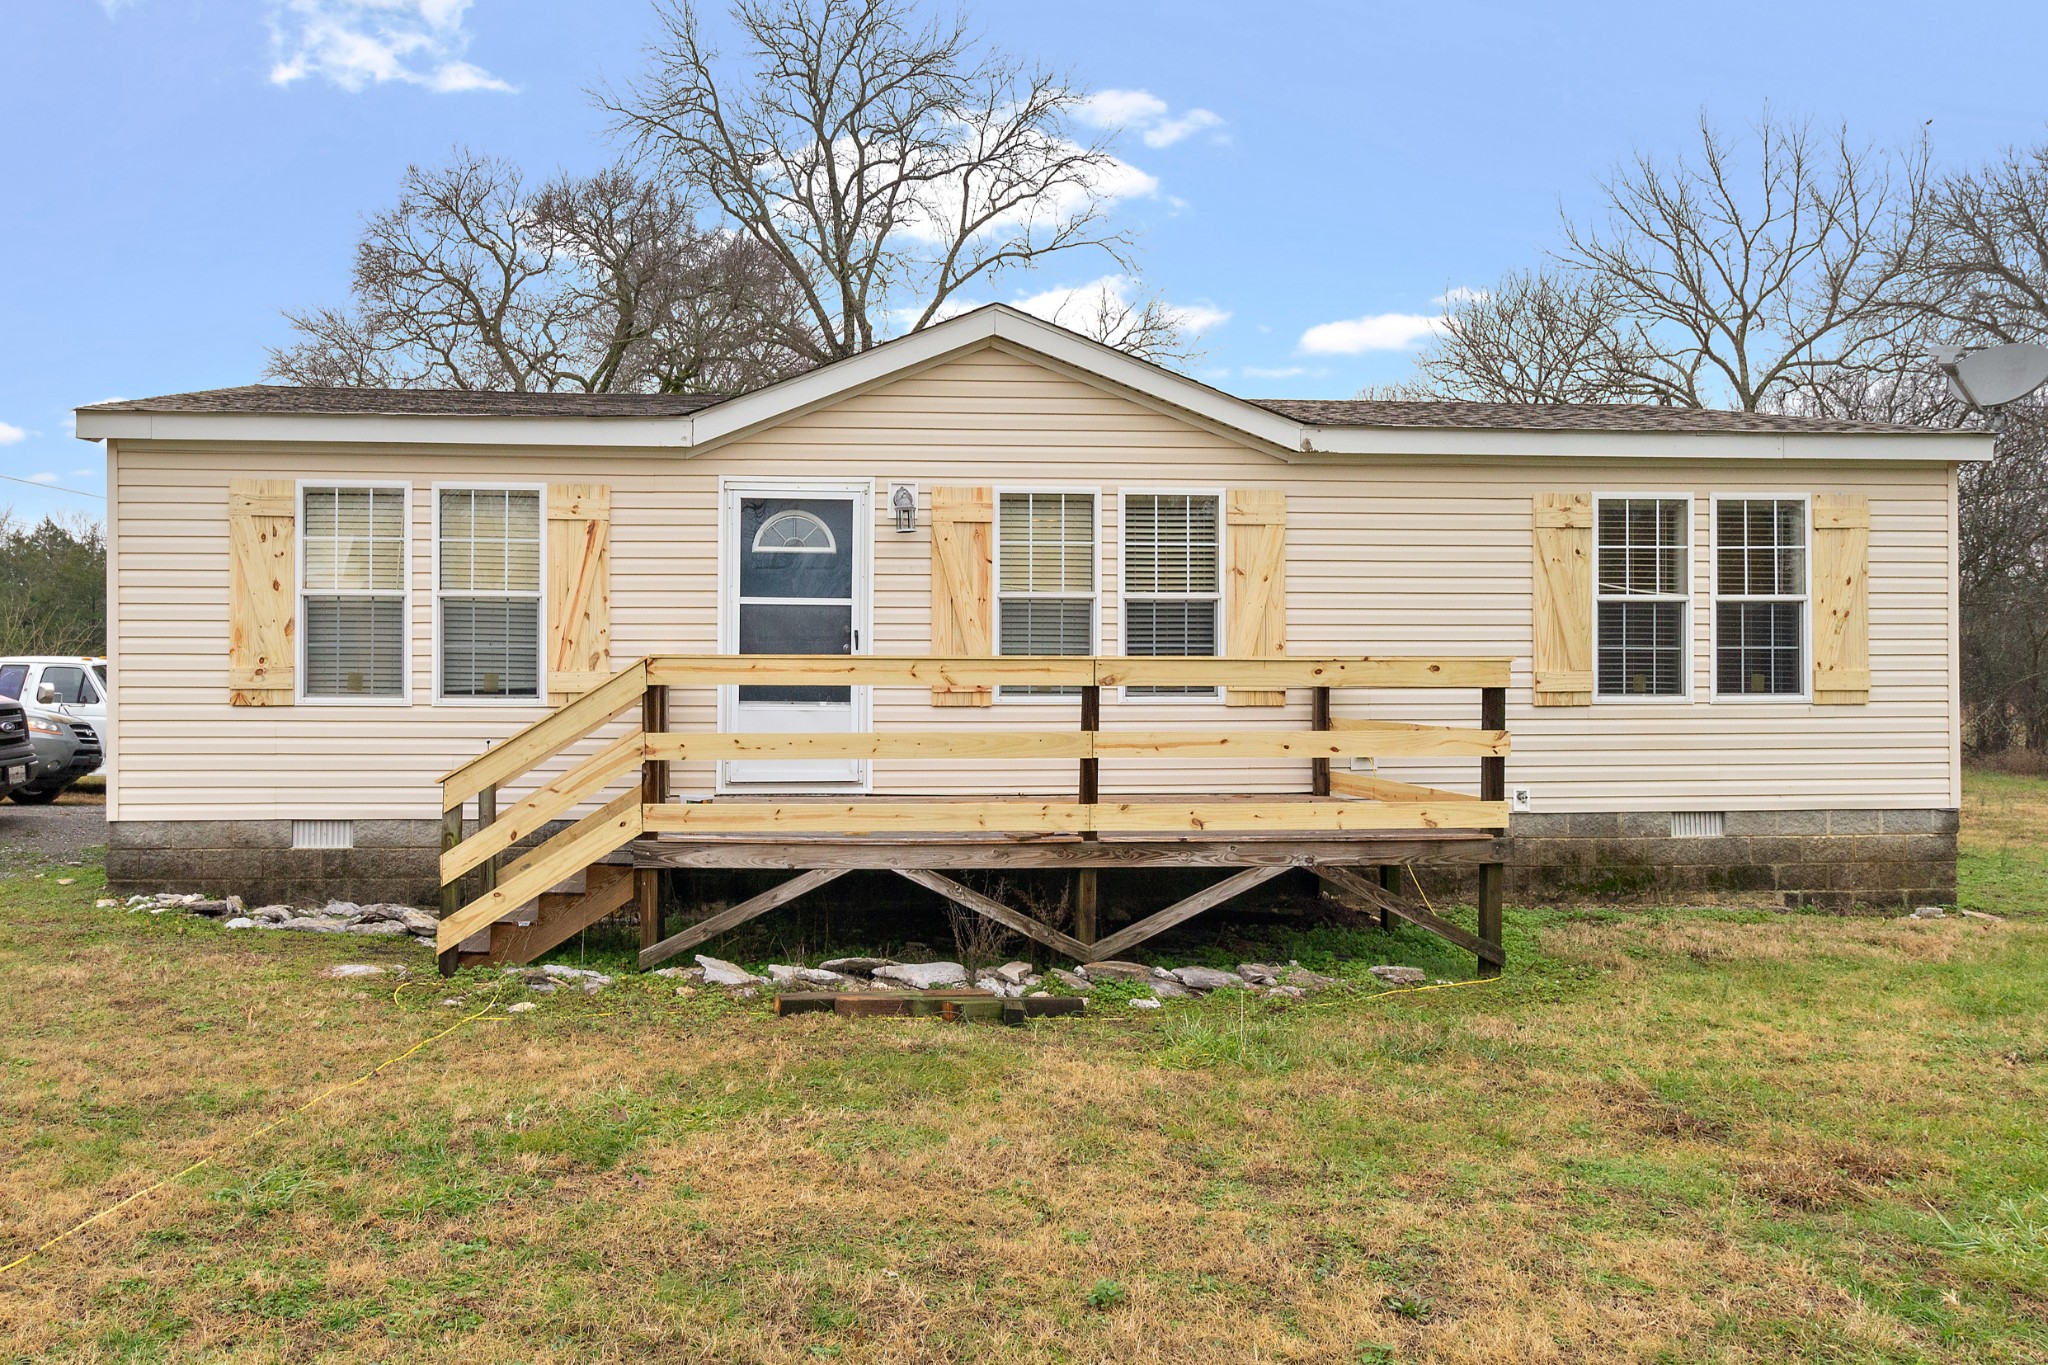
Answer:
[(1287, 428)]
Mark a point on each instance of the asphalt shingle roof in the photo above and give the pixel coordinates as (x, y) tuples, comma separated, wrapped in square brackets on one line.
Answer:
[(285, 399), (1378, 412), (291, 399)]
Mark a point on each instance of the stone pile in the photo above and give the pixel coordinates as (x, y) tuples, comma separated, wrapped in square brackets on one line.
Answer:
[(553, 976), (336, 917)]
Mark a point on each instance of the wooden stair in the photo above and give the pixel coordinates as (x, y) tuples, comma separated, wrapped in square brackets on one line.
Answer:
[(607, 889)]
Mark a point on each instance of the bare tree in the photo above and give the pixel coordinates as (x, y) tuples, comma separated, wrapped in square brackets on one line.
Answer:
[(1143, 325), (1738, 280), (1983, 276), (1535, 337), (887, 162), (598, 284)]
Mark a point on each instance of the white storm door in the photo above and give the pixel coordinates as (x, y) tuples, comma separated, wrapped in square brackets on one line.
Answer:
[(796, 570)]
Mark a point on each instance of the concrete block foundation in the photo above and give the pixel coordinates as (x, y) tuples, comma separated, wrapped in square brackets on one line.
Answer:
[(1843, 860)]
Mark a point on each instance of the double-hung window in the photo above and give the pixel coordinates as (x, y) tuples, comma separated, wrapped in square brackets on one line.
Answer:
[(1760, 597), (352, 592), (1172, 589), (487, 592), (1045, 578), (1642, 596)]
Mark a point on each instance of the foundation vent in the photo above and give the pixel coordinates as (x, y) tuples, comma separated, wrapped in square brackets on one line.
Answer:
[(323, 834), (1698, 824)]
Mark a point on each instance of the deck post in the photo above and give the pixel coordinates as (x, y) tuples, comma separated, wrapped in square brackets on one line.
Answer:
[(451, 892), (1390, 882), (1493, 786), (1319, 769), (654, 776), (1086, 889), (1491, 875), (486, 816)]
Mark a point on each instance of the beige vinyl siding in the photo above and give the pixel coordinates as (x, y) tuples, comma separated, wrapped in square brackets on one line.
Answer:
[(1384, 556)]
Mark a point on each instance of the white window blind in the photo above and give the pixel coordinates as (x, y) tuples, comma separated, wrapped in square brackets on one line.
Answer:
[(1642, 596), (1045, 578), (352, 592), (1760, 597), (487, 591), (1172, 556)]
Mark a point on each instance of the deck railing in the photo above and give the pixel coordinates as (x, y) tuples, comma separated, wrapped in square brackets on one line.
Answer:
[(1339, 802)]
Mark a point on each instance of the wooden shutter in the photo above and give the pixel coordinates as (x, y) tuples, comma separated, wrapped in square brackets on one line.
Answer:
[(1255, 612), (963, 587), (1841, 599), (579, 588), (1563, 643), (262, 592)]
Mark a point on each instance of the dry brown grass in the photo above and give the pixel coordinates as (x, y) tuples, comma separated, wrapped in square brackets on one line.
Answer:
[(1660, 1138)]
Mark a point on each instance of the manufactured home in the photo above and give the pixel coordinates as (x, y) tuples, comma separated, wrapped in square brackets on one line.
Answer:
[(993, 595)]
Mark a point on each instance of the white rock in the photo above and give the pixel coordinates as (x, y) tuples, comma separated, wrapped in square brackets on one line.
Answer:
[(718, 972), (1980, 914), (1014, 972), (426, 941), (271, 913), (856, 966), (239, 922), (1144, 1002), (105, 903), (818, 976), (1073, 981), (781, 974), (382, 928), (575, 973), (688, 973), (1170, 989), (923, 976), (1208, 979), (1289, 992), (1928, 912), (1037, 995), (347, 969), (521, 1008), (1400, 976)]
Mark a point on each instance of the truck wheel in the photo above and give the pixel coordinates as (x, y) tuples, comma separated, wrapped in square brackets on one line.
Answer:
[(35, 796)]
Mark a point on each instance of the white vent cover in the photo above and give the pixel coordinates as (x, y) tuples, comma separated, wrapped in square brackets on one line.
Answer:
[(1698, 824), (323, 834)]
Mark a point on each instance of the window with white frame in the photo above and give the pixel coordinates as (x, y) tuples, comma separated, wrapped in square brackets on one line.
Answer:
[(1760, 597), (1641, 597), (1045, 578), (1172, 590), (487, 592), (352, 567)]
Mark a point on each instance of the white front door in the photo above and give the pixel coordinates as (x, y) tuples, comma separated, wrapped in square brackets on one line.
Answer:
[(795, 581)]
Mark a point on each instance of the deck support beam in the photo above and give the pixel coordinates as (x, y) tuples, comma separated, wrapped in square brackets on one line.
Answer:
[(1490, 954), (1182, 910), (734, 916), (1015, 920)]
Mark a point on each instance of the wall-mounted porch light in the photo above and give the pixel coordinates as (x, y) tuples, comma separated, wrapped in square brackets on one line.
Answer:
[(903, 501)]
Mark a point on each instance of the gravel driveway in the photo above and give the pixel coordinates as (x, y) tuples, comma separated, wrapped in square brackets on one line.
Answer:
[(59, 833)]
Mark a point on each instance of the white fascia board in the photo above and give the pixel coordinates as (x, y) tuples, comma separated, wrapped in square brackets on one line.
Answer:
[(414, 429), (1931, 446)]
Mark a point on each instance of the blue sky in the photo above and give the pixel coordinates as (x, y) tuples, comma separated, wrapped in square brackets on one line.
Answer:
[(177, 171)]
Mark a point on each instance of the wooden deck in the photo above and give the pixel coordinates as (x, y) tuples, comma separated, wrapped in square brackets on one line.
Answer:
[(1343, 821)]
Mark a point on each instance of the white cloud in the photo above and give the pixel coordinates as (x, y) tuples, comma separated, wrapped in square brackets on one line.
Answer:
[(1374, 332), (1276, 372), (1460, 293), (42, 478), (1085, 308), (9, 434), (354, 43), (1144, 113)]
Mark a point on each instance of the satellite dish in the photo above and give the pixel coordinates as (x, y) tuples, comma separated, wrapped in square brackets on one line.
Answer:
[(1997, 374)]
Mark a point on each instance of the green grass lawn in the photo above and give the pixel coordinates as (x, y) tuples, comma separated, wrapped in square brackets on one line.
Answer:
[(1666, 1136)]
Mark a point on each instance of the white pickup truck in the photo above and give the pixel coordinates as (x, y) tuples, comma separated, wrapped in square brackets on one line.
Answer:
[(65, 698)]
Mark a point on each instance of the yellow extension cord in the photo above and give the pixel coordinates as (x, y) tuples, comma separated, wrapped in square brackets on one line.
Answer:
[(247, 1138)]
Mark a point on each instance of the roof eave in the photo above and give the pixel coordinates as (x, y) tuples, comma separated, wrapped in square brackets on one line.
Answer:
[(1939, 446)]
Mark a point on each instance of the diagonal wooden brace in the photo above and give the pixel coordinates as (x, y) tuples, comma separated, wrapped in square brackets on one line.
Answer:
[(734, 916), (997, 911), (1208, 899), (1349, 882)]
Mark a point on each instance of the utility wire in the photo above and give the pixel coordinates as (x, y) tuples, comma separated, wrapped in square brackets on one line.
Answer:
[(54, 488)]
